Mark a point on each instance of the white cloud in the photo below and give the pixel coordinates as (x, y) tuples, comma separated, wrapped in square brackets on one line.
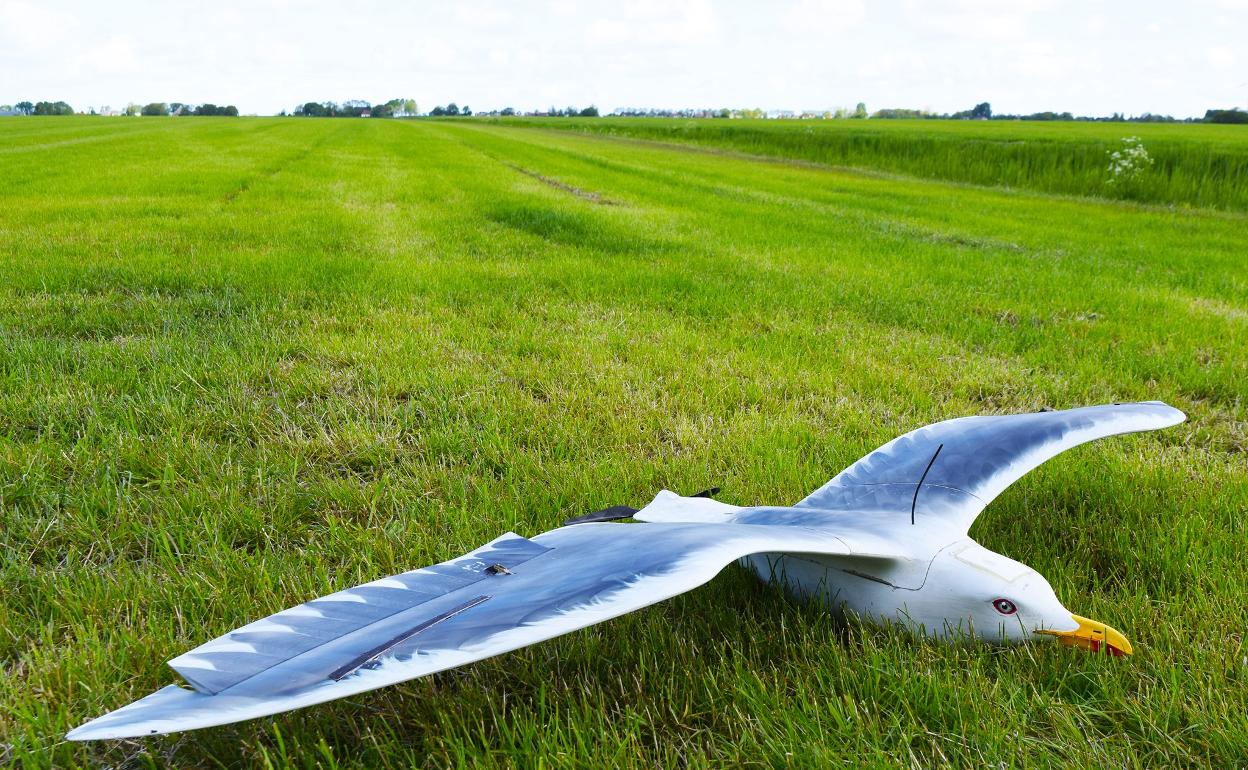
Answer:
[(1220, 57), (483, 14), (653, 22), (823, 17), (31, 27), (112, 56)]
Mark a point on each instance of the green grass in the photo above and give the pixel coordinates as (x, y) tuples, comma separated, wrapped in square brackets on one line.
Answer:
[(248, 362), (1194, 165)]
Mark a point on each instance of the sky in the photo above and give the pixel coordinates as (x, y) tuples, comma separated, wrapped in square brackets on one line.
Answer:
[(1084, 56)]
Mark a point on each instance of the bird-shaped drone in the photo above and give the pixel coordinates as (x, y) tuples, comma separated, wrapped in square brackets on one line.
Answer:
[(886, 539)]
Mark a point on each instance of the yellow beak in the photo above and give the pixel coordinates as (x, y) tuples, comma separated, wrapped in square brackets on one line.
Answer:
[(1092, 635)]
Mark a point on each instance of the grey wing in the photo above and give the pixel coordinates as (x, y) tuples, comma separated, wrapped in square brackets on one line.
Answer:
[(508, 594), (949, 471)]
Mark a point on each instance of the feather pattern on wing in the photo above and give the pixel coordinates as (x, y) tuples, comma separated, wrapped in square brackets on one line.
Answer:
[(953, 469), (560, 581)]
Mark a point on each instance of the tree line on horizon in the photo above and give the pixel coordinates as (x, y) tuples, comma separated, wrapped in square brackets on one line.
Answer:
[(178, 108), (150, 109), (981, 111), (398, 108), (355, 108)]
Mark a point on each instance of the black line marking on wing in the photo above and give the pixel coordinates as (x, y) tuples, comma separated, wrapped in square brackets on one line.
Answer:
[(364, 659), (917, 487)]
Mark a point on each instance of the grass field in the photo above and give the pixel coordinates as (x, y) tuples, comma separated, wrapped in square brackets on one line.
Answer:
[(248, 362), (1192, 165)]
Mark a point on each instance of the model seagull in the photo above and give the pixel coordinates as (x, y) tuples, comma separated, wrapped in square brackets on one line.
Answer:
[(886, 539)]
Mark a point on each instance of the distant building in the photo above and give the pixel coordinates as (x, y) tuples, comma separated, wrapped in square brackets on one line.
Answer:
[(366, 114), (9, 113)]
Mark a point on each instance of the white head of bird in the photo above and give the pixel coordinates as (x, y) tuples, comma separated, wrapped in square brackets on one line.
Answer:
[(1005, 600), (962, 591)]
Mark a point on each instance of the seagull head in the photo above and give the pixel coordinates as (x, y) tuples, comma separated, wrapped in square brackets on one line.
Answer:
[(1009, 600)]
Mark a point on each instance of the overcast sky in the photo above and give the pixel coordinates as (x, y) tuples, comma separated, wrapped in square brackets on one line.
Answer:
[(1084, 56)]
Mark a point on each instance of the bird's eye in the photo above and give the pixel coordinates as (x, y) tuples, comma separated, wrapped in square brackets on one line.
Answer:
[(1004, 606)]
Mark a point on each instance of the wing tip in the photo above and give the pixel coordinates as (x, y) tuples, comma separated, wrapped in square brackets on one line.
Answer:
[(134, 720), (79, 733), (1166, 414), (90, 731)]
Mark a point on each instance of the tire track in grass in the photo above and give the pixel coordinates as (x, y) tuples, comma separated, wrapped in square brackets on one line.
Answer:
[(592, 197), (903, 227), (583, 194), (92, 139), (270, 170), (48, 130), (889, 227)]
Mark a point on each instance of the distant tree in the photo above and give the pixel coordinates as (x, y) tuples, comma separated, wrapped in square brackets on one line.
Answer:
[(1233, 115), (176, 108), (399, 107), (53, 108), (155, 108), (981, 111), (465, 110), (508, 111), (438, 111), (898, 113), (131, 109), (25, 108), (860, 111), (452, 109), (1048, 115), (589, 112), (211, 110)]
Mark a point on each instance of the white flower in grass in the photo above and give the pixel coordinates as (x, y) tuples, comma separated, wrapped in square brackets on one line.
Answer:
[(1127, 164)]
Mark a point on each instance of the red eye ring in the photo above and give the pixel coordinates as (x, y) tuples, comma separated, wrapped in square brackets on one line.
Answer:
[(1004, 606)]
